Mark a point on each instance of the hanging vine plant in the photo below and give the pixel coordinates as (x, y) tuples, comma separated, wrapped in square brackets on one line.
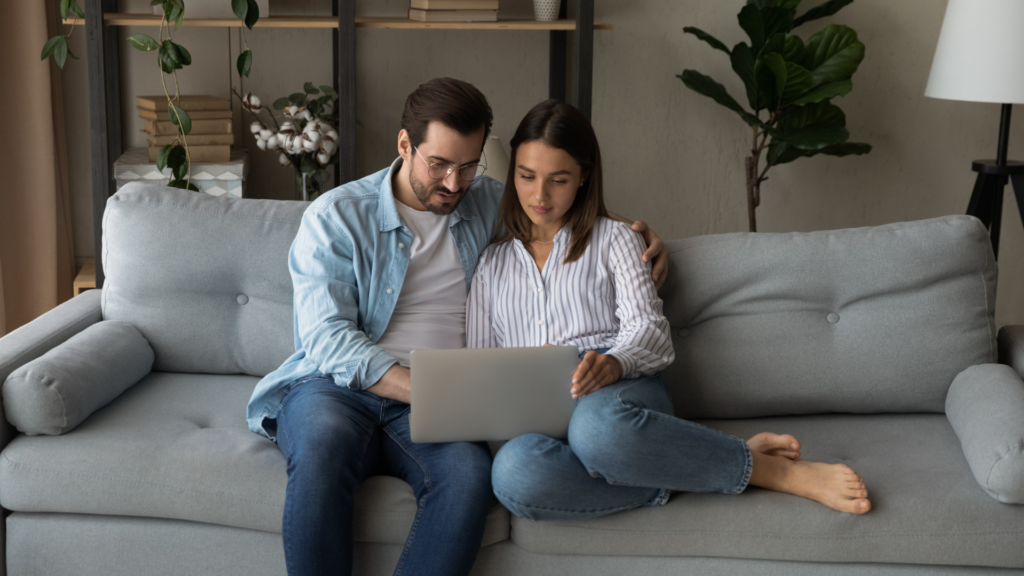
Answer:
[(171, 57)]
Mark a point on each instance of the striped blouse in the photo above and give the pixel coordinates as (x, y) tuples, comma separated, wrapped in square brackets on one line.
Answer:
[(605, 299)]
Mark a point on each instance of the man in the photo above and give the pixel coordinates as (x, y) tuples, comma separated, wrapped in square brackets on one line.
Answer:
[(381, 266)]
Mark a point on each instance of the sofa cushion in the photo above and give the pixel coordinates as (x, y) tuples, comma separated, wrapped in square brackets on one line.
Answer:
[(57, 391), (926, 506), (204, 278), (177, 446), (866, 320)]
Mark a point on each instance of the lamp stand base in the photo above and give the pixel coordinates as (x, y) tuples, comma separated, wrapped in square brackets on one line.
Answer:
[(987, 199)]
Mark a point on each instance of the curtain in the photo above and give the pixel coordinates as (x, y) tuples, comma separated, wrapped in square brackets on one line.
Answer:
[(37, 265)]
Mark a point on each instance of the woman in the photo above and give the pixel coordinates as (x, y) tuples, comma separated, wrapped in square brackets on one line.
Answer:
[(565, 274)]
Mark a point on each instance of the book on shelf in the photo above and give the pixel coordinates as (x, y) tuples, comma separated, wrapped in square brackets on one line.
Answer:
[(193, 139), (454, 4), (187, 103), (158, 128), (199, 153), (453, 15), (193, 114)]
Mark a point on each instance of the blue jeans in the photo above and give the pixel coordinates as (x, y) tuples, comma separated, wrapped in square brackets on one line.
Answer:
[(333, 438), (625, 450)]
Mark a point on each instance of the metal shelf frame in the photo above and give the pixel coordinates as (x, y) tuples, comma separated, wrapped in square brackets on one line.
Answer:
[(103, 60)]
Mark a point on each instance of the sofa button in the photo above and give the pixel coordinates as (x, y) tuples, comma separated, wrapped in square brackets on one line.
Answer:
[(683, 333), (833, 317), (243, 299)]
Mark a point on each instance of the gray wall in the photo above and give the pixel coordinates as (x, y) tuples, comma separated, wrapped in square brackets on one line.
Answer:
[(672, 157)]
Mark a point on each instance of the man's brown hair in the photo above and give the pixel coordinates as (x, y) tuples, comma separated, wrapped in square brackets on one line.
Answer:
[(558, 125), (454, 103)]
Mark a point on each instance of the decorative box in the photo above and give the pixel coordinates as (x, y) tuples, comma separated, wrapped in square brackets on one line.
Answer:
[(214, 178)]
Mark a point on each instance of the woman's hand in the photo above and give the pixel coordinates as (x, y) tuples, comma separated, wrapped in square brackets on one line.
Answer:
[(594, 372), (655, 251)]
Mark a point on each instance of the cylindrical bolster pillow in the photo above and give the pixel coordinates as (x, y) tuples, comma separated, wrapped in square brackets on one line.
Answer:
[(985, 405), (57, 391)]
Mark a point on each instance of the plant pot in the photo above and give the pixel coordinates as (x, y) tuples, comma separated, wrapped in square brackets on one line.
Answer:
[(546, 10)]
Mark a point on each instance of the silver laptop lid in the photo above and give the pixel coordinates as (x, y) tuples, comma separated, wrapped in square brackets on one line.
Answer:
[(491, 393)]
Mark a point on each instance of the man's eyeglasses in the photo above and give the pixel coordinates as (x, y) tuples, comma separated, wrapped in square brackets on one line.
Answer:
[(438, 171)]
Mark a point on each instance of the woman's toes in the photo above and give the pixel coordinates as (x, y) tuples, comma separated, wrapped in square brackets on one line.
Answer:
[(774, 444)]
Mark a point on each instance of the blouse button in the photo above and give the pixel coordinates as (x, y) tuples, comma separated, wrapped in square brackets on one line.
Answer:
[(541, 321)]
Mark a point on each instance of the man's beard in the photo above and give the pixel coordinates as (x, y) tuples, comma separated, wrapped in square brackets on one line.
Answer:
[(424, 192)]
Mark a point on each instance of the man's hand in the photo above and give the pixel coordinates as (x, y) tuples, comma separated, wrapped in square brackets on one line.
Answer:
[(655, 251), (395, 384), (594, 372)]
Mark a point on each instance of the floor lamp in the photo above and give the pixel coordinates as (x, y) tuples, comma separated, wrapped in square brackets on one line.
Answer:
[(980, 58)]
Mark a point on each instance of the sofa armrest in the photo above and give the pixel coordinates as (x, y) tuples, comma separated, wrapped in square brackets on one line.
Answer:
[(1011, 348), (985, 406), (42, 335)]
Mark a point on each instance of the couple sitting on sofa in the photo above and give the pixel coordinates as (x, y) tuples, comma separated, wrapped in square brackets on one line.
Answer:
[(386, 264)]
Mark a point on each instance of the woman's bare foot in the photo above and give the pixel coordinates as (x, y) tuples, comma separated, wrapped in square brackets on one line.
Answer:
[(834, 485), (775, 445)]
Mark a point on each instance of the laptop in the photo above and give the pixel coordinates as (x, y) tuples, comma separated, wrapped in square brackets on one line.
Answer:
[(478, 394)]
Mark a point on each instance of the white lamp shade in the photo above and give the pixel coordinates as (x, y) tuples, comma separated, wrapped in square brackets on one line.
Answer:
[(980, 55), (497, 159)]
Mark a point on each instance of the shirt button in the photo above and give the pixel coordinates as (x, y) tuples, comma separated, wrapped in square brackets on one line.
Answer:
[(401, 244), (390, 291), (541, 321)]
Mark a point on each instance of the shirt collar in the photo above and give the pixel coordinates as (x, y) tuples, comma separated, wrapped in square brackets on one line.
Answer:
[(387, 213)]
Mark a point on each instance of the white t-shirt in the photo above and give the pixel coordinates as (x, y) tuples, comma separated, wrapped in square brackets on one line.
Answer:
[(431, 308)]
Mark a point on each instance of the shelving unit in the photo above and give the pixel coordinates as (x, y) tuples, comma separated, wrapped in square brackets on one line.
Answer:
[(102, 20)]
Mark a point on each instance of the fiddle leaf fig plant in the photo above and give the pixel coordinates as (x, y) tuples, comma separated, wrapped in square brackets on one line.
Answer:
[(171, 57), (789, 86)]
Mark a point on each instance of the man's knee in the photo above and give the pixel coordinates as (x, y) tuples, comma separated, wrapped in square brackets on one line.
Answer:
[(467, 470)]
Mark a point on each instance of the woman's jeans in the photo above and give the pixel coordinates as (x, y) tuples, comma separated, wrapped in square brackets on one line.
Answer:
[(333, 438), (625, 450)]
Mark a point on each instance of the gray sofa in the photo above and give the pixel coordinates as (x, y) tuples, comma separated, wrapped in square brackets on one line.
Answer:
[(876, 347)]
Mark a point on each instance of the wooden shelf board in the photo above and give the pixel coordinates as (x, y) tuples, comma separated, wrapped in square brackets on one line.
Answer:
[(117, 19)]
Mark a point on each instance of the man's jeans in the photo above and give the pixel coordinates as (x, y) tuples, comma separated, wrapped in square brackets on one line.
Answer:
[(625, 450), (335, 437)]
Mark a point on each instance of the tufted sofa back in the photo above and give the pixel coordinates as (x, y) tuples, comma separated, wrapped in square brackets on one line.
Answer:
[(205, 279), (864, 320)]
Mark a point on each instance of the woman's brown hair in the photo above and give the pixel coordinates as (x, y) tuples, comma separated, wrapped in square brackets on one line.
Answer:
[(561, 126)]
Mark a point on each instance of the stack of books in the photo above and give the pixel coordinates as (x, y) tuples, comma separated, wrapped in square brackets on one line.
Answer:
[(211, 136), (453, 10)]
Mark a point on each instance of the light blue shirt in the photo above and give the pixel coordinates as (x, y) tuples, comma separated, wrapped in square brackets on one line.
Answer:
[(348, 264)]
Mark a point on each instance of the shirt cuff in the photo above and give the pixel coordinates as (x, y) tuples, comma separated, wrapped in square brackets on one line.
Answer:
[(627, 362), (369, 370)]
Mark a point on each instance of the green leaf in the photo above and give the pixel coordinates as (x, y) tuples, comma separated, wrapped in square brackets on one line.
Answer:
[(328, 91), (252, 14), (753, 24), (186, 58), (702, 35), (308, 164), (824, 92), (64, 9), (827, 9), (240, 8), (322, 176), (72, 54), (779, 152), (143, 42), (60, 51), (823, 113), (176, 158), (743, 64), (170, 58), (175, 15), (75, 9), (798, 81), (314, 107), (280, 103), (815, 137), (50, 46), (777, 21), (777, 65), (180, 118), (832, 54), (705, 86), (183, 184), (298, 98), (310, 89), (792, 48), (846, 149), (161, 157), (244, 64)]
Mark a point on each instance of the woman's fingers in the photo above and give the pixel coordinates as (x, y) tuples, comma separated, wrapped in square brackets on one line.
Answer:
[(584, 367)]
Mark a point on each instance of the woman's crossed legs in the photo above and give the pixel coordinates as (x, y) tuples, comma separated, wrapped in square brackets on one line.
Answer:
[(626, 450)]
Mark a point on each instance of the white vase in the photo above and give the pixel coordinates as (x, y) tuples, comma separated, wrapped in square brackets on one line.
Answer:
[(546, 10), (496, 159)]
